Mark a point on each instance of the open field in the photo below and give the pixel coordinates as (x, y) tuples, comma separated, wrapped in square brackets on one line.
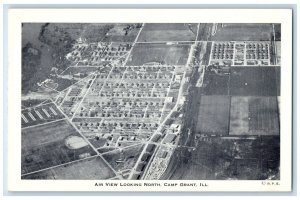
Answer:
[(215, 84), (239, 122), (122, 33), (254, 116), (83, 70), (227, 159), (277, 29), (160, 53), (187, 167), (32, 102), (214, 115), (98, 142), (243, 32), (63, 83), (255, 81), (206, 162), (263, 114), (168, 32), (45, 146), (88, 169), (46, 133), (125, 158), (98, 32)]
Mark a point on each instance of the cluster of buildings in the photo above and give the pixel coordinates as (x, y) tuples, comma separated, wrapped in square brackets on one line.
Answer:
[(222, 51), (162, 144), (123, 104), (159, 163), (69, 99), (142, 163), (97, 53), (240, 53), (258, 53)]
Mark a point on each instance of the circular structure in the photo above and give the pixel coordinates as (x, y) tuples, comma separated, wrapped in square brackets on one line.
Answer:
[(75, 142)]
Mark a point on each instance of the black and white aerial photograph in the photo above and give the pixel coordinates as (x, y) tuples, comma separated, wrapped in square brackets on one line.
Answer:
[(150, 101)]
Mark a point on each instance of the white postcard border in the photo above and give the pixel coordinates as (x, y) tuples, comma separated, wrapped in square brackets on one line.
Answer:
[(18, 16)]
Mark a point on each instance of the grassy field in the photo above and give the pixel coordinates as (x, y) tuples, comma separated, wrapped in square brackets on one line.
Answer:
[(89, 169), (239, 122), (63, 83), (220, 159), (161, 53), (263, 114), (121, 33), (98, 142), (96, 32), (31, 102), (185, 165), (123, 159), (206, 162), (254, 116), (168, 32), (277, 28), (33, 73), (75, 70), (44, 146), (255, 81), (243, 32), (214, 115), (192, 172), (215, 84)]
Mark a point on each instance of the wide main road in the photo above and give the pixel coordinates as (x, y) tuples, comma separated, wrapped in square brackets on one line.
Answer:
[(191, 110), (190, 57)]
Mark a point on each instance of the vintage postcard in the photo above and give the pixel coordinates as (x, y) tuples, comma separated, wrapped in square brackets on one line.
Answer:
[(150, 100)]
